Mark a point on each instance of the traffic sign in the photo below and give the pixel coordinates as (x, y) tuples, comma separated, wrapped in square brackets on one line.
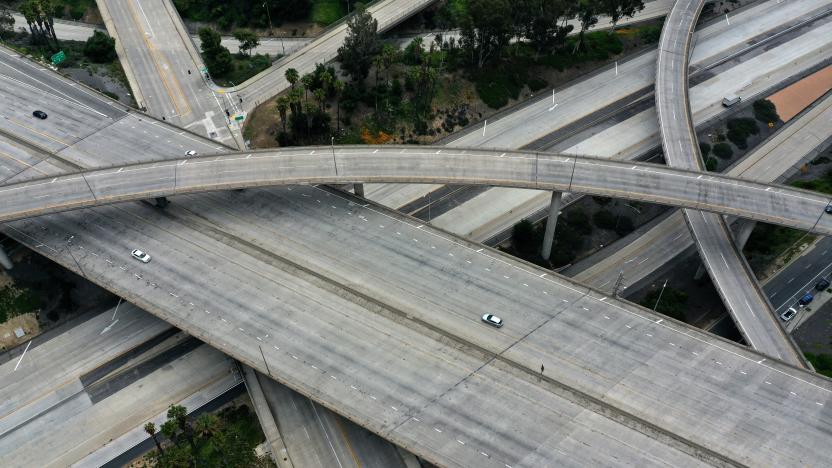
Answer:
[(239, 117), (58, 58)]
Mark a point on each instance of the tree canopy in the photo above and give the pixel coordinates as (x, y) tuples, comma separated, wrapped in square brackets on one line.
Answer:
[(361, 44), (100, 48), (217, 58)]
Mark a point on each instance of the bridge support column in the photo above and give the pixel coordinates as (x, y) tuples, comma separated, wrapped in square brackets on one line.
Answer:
[(743, 232), (700, 271), (551, 223), (358, 189), (5, 261)]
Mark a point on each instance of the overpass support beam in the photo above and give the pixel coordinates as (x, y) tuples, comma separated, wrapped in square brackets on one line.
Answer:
[(743, 232), (358, 189), (551, 223), (5, 261)]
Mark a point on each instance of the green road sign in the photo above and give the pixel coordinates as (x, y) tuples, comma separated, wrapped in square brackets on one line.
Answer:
[(239, 118), (58, 58)]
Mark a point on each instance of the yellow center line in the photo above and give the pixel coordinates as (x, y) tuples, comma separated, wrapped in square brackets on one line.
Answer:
[(153, 55), (45, 135), (3, 153)]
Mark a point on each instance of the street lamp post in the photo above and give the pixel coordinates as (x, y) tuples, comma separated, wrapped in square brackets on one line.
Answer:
[(660, 296)]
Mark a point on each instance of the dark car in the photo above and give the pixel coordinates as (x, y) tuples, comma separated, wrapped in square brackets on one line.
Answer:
[(806, 299), (828, 209), (39, 114), (822, 284)]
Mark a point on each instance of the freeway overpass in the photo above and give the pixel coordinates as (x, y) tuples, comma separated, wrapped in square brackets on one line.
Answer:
[(773, 161), (652, 183), (732, 276)]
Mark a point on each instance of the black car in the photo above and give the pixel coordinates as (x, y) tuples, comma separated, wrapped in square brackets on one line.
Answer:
[(39, 114), (828, 209), (822, 284)]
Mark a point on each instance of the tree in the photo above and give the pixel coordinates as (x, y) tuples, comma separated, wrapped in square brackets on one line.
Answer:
[(38, 15), (248, 40), (617, 9), (361, 44), (217, 58), (486, 28), (150, 428), (338, 88), (6, 21), (282, 104), (292, 76), (588, 17), (723, 150), (100, 48), (308, 83), (320, 96), (765, 111)]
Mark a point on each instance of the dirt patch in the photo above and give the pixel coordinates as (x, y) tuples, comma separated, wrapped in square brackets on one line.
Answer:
[(27, 322), (791, 100)]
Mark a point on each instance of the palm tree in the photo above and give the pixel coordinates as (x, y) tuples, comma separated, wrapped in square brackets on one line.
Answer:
[(292, 76), (150, 428), (179, 415), (308, 80), (320, 96), (282, 106), (207, 425), (338, 86)]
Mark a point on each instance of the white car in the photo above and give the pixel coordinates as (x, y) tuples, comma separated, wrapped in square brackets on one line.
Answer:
[(492, 320), (140, 256), (789, 314), (190, 153)]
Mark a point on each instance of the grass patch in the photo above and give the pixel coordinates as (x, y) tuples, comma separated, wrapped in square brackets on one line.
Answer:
[(326, 12), (821, 362), (671, 302), (822, 184), (14, 302)]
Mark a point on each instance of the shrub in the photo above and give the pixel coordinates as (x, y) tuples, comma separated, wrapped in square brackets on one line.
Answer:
[(765, 111), (624, 225), (579, 221), (536, 84), (711, 164), (740, 129), (525, 239), (672, 302), (704, 148), (100, 48), (604, 219), (723, 150), (602, 201)]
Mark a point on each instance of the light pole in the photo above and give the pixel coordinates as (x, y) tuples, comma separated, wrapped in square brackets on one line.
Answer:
[(660, 296), (269, 14)]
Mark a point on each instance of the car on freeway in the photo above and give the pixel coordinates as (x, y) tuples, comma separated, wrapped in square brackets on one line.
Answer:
[(492, 320), (789, 314), (828, 209), (140, 256), (822, 284), (190, 153), (39, 114), (806, 299)]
